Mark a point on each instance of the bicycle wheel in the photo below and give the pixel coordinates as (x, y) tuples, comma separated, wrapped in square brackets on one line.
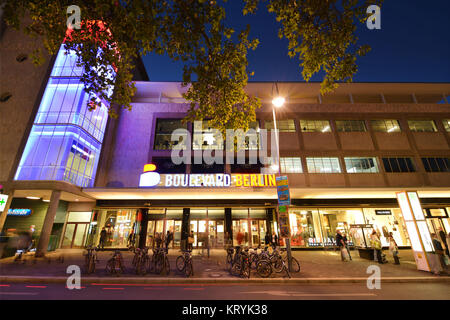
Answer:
[(295, 265), (278, 264), (246, 269), (159, 264), (264, 268), (167, 265), (110, 266), (180, 263), (188, 269)]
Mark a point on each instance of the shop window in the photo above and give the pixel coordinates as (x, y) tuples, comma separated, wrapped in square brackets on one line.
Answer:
[(79, 217), (398, 165), (315, 126), (257, 213), (386, 220), (287, 125), (196, 213), (205, 137), (174, 213), (216, 213), (291, 165), (239, 213), (351, 126), (361, 165), (338, 219), (163, 133), (305, 228), (446, 123), (385, 125), (436, 164), (422, 125), (323, 165)]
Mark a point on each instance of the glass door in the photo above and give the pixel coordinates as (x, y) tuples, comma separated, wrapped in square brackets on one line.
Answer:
[(177, 234), (240, 232), (74, 235)]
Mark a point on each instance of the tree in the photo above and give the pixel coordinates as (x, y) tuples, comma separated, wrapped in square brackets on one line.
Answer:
[(321, 33)]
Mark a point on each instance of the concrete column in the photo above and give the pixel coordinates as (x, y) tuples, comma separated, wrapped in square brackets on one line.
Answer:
[(5, 211), (48, 223), (185, 224)]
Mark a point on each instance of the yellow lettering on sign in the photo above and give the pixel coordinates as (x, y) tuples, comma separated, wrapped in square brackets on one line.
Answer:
[(246, 182), (272, 180), (253, 179), (265, 180), (261, 181), (238, 180)]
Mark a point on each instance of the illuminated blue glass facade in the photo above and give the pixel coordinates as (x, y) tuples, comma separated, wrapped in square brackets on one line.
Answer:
[(66, 138)]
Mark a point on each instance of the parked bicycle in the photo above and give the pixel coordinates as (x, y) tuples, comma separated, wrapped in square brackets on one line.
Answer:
[(240, 264), (160, 261), (184, 263), (115, 264), (90, 259), (270, 262), (141, 261)]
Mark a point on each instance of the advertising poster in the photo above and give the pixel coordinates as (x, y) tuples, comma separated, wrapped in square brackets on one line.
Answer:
[(283, 221), (284, 198)]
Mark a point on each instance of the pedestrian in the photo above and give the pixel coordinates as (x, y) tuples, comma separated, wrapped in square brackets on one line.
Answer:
[(439, 250), (267, 239), (341, 245), (344, 238), (393, 248), (376, 245), (169, 238), (274, 239), (102, 238), (191, 241), (158, 240), (443, 239)]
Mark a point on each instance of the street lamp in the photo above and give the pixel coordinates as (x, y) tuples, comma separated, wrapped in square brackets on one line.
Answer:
[(278, 102)]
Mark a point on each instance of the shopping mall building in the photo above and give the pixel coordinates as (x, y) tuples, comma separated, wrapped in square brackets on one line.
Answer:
[(70, 172)]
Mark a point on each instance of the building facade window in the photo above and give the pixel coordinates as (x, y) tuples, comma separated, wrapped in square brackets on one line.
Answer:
[(361, 165), (446, 123), (287, 125), (315, 126), (205, 137), (66, 138), (323, 165), (351, 126), (385, 125), (422, 125), (398, 165), (436, 164), (163, 133), (291, 165)]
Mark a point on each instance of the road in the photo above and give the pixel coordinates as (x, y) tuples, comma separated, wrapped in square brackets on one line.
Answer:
[(354, 291)]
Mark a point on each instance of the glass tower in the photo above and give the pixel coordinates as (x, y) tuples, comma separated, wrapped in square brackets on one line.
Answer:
[(66, 138)]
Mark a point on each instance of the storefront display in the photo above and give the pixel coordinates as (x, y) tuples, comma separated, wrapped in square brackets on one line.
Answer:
[(386, 223)]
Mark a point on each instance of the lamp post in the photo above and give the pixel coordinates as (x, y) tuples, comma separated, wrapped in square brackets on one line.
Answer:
[(278, 102)]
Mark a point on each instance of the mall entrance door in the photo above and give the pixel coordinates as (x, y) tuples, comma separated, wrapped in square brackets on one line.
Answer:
[(74, 235), (175, 227), (216, 233), (199, 228)]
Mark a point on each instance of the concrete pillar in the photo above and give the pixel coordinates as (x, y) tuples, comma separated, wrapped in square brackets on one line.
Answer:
[(5, 211), (48, 223), (269, 220), (143, 228), (228, 223)]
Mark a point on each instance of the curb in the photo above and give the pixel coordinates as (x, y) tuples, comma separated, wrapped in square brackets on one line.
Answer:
[(206, 281)]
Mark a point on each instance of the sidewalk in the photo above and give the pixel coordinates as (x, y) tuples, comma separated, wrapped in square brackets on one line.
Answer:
[(316, 266)]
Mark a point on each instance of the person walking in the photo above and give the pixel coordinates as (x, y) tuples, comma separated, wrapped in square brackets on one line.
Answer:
[(267, 239), (274, 240), (102, 238), (393, 248), (169, 238), (344, 238), (439, 250), (341, 245), (444, 240), (158, 240), (376, 244)]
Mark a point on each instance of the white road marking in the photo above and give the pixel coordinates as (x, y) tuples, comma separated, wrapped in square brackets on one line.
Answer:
[(20, 293), (305, 294)]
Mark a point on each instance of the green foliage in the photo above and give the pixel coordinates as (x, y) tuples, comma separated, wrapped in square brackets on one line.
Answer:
[(320, 33)]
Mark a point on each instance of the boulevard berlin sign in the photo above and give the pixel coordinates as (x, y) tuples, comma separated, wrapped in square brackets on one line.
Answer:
[(219, 180)]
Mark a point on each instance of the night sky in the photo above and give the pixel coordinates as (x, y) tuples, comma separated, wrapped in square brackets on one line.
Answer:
[(413, 45)]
